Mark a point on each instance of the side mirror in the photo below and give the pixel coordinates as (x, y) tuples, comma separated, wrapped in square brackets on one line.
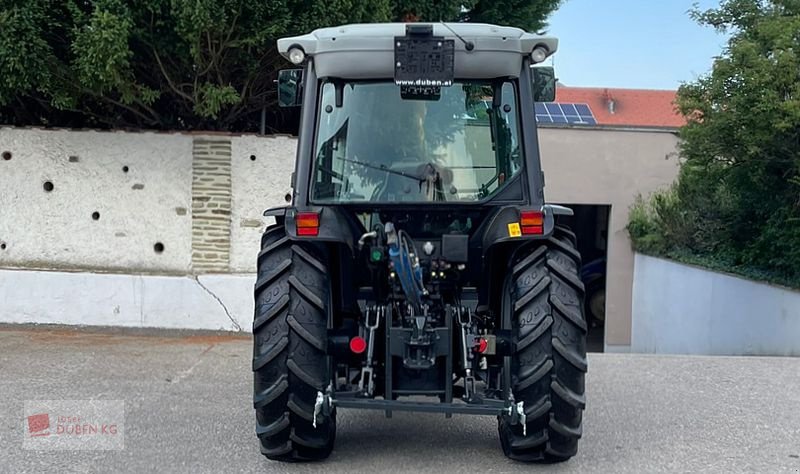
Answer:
[(290, 87), (544, 84)]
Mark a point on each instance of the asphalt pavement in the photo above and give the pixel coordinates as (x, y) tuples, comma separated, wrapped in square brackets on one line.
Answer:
[(188, 409)]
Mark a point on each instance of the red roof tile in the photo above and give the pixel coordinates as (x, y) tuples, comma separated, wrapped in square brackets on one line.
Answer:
[(632, 107)]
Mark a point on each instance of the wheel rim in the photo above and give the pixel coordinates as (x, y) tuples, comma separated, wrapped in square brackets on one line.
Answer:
[(597, 305)]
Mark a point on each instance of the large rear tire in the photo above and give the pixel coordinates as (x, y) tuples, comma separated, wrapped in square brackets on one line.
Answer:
[(289, 361), (545, 299)]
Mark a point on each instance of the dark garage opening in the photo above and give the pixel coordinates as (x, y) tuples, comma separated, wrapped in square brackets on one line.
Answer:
[(590, 224)]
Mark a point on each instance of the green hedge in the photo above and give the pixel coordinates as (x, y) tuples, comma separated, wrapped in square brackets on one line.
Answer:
[(661, 226)]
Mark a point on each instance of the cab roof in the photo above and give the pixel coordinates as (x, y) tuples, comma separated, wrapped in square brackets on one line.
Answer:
[(366, 51)]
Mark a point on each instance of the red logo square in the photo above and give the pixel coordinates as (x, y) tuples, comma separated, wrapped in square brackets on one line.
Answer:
[(38, 424)]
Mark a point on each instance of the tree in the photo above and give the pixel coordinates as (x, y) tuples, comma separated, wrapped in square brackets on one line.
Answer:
[(180, 64), (737, 198), (530, 15)]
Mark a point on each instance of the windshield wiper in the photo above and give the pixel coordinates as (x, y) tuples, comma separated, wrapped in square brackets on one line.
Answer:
[(384, 168)]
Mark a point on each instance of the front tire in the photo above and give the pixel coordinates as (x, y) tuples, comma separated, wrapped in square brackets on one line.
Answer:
[(289, 361), (545, 300)]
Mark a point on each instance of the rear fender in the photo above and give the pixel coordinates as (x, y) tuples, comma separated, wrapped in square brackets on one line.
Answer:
[(498, 229), (279, 213), (335, 225)]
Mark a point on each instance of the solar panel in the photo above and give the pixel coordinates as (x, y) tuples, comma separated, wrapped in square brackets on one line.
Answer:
[(569, 109), (553, 112)]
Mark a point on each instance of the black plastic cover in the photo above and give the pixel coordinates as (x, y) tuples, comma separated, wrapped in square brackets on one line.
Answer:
[(455, 248)]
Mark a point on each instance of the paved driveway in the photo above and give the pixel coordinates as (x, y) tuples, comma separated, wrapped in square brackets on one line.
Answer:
[(187, 409)]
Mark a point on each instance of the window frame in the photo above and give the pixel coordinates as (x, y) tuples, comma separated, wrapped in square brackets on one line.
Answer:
[(518, 178)]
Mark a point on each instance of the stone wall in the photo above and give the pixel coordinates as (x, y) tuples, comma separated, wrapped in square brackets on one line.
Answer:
[(211, 205), (125, 202), (191, 204)]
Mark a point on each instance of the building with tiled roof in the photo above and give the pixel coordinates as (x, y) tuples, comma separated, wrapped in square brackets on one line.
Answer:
[(611, 107)]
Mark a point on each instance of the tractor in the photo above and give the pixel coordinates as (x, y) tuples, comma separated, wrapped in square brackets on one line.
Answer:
[(416, 266)]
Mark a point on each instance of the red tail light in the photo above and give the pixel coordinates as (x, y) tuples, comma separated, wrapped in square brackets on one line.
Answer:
[(483, 344), (307, 223), (358, 345), (532, 222)]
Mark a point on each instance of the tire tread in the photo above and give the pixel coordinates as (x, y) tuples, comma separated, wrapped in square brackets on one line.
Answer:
[(289, 360), (549, 366)]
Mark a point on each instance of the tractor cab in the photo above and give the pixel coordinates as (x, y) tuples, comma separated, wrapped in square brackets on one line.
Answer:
[(414, 113)]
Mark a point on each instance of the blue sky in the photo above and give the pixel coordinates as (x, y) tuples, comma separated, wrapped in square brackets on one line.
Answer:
[(640, 44)]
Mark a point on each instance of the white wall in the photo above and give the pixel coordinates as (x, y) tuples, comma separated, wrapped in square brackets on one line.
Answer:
[(601, 166), (217, 302), (680, 309), (137, 209), (150, 203), (256, 185)]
